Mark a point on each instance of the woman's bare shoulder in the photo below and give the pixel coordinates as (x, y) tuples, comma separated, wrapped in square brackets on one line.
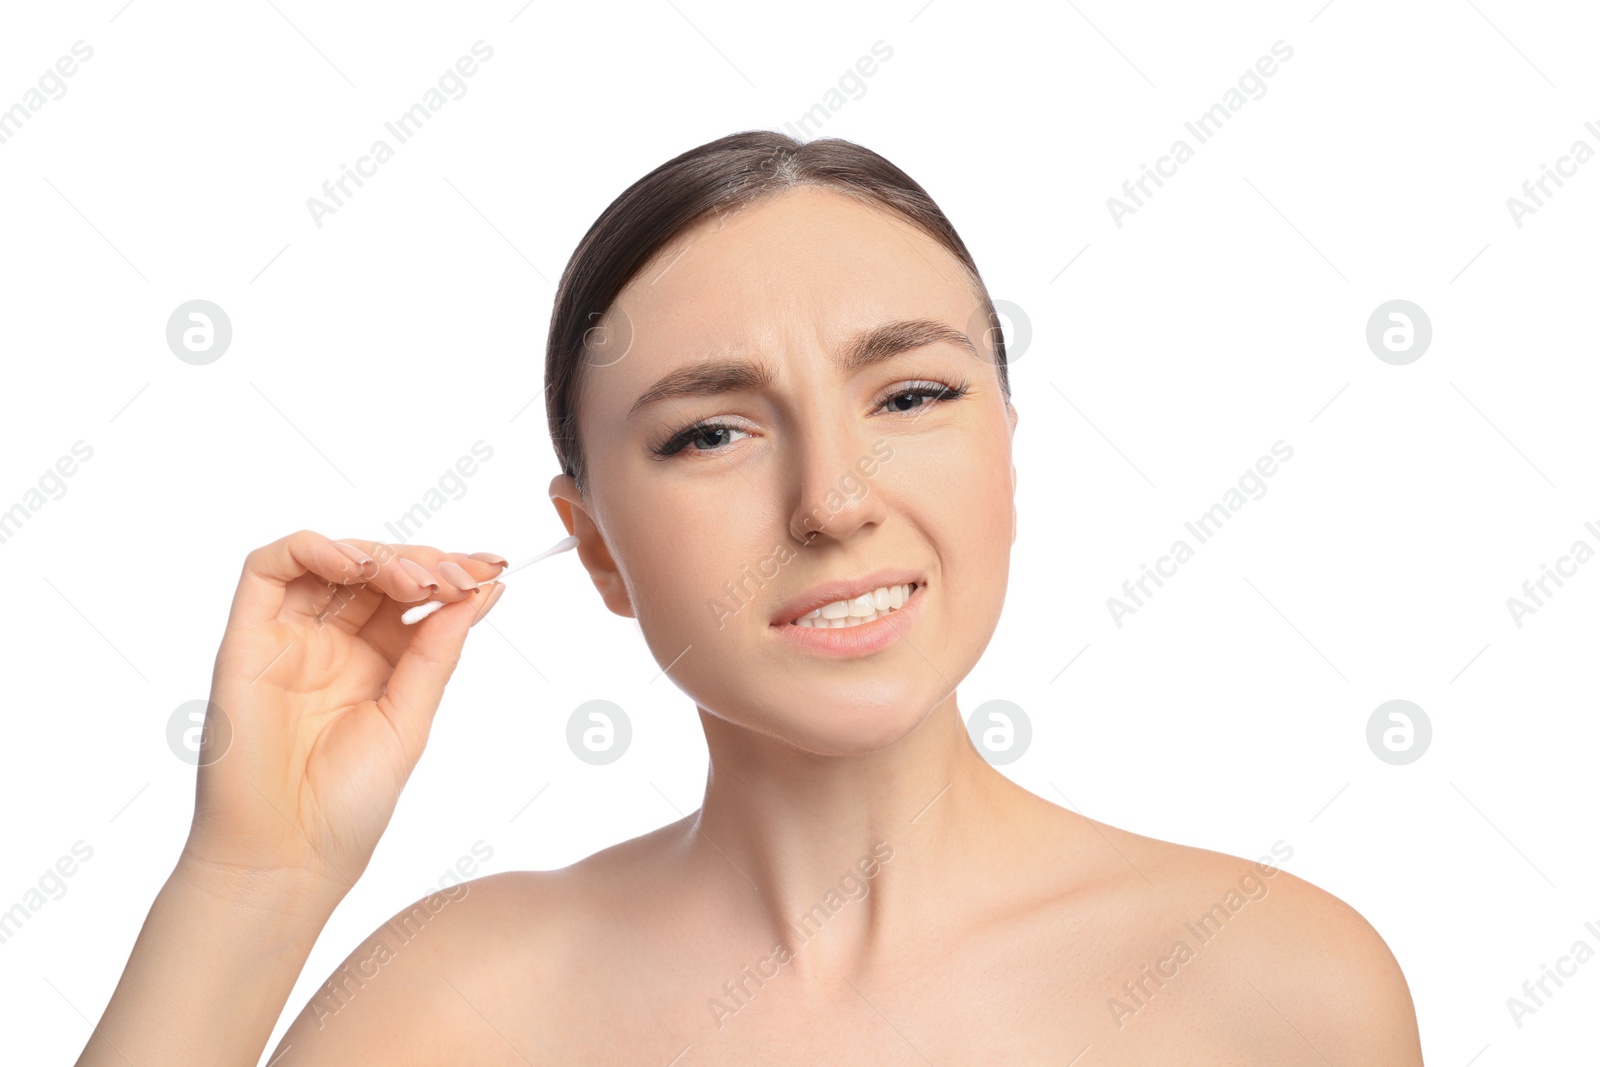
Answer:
[(420, 983), (474, 967), (1283, 957)]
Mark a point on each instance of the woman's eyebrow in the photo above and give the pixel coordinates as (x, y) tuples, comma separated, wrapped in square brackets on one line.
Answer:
[(870, 346)]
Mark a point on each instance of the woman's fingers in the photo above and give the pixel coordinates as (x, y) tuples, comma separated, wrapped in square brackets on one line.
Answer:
[(270, 570), (383, 629), (421, 569), (379, 574)]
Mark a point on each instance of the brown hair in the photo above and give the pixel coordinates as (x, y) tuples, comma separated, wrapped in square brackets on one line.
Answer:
[(718, 176)]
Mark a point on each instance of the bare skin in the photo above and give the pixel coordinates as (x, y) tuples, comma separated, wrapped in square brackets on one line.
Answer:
[(859, 885), (1016, 960)]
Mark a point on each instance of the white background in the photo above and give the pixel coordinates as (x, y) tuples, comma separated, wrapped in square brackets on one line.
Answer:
[(1228, 313)]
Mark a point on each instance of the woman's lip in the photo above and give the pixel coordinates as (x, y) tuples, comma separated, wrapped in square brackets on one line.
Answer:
[(860, 640)]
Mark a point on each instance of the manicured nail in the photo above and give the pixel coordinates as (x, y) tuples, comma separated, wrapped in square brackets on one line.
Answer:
[(490, 600), (489, 557), (457, 575), (353, 552), (418, 572)]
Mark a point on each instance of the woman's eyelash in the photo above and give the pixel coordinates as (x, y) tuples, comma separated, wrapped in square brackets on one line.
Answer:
[(926, 390)]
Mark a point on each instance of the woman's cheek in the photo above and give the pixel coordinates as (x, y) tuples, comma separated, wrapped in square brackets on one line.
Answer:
[(977, 537), (684, 593)]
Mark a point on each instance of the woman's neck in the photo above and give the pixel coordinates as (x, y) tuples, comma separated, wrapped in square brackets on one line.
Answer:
[(875, 847)]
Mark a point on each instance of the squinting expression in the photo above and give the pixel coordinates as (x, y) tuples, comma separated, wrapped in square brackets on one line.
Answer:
[(807, 396)]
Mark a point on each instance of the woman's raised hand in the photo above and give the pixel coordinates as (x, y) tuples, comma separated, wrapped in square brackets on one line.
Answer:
[(321, 702)]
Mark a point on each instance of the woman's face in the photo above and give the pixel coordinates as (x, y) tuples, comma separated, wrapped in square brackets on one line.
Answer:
[(702, 535)]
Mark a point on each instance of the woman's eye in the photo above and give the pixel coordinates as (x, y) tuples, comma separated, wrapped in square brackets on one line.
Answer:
[(710, 438), (713, 437), (705, 437), (906, 399)]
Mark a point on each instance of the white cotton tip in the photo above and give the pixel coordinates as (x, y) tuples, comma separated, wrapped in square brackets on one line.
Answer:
[(415, 615)]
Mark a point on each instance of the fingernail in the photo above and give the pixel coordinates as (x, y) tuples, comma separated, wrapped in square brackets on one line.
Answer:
[(457, 575), (490, 600), (489, 557), (418, 572), (353, 552)]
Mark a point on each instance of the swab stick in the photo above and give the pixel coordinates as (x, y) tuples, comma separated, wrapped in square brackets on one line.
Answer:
[(422, 611)]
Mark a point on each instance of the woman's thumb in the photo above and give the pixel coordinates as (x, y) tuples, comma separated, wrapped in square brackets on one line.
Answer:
[(417, 685)]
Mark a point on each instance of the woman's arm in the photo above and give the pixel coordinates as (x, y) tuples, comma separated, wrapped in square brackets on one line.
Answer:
[(212, 968)]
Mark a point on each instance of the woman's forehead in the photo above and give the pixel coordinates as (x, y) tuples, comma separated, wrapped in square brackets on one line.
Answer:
[(808, 258)]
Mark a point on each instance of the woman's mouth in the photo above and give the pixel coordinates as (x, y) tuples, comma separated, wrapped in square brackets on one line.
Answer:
[(854, 616), (856, 626), (858, 611)]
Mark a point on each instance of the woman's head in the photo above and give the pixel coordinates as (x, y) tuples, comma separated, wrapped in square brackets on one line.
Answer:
[(773, 365)]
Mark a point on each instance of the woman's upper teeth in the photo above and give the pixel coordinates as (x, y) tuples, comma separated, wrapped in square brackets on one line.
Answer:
[(881, 600)]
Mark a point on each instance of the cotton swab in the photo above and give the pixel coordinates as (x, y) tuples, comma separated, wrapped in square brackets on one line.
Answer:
[(422, 611)]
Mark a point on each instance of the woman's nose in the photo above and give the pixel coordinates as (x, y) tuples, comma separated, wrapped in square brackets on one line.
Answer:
[(832, 472)]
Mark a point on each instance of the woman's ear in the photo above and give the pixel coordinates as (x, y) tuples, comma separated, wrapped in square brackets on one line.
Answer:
[(592, 549)]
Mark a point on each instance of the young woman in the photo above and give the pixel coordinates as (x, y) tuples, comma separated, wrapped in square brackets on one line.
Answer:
[(785, 429)]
